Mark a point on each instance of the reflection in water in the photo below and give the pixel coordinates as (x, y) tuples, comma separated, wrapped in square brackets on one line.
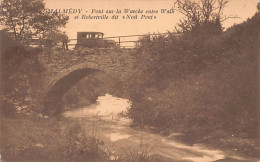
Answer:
[(116, 131)]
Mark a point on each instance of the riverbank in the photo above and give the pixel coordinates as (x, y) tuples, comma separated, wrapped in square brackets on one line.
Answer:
[(31, 138), (232, 146), (99, 132), (202, 85), (36, 138)]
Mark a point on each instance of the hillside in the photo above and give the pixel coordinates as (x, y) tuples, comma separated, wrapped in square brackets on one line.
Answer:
[(206, 89)]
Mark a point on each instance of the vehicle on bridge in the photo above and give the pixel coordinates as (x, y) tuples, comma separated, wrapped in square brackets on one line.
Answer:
[(93, 40)]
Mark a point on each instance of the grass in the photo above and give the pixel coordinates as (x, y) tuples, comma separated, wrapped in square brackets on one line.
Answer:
[(36, 139)]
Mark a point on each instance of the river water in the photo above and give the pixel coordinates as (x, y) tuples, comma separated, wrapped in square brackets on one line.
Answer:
[(103, 121)]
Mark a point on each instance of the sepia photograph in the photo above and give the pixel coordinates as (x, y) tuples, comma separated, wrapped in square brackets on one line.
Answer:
[(129, 80)]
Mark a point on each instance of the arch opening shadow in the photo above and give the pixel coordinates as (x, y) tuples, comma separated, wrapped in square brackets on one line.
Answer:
[(52, 103)]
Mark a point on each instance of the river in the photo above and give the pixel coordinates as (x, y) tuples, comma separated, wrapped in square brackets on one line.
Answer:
[(103, 121)]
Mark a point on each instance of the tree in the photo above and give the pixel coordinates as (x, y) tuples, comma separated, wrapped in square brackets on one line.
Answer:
[(28, 18), (52, 39), (201, 15)]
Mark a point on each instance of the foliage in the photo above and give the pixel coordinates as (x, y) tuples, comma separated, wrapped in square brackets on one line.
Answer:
[(36, 139), (20, 69), (87, 90), (28, 18), (201, 15), (52, 39), (199, 88)]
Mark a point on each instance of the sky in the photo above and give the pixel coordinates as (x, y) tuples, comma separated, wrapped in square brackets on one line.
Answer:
[(163, 22)]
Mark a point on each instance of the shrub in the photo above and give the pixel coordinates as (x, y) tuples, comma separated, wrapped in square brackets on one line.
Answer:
[(199, 86)]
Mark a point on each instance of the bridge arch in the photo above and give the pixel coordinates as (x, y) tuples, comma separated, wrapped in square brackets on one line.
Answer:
[(52, 101)]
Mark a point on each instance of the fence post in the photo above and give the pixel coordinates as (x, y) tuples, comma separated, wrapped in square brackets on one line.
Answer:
[(119, 42)]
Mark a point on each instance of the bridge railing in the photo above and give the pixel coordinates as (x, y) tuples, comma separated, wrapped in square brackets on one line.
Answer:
[(123, 41)]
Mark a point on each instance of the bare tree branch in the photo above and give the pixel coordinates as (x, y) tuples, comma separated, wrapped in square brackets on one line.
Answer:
[(199, 13)]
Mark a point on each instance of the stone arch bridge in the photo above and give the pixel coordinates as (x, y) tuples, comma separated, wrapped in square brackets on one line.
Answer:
[(63, 69)]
